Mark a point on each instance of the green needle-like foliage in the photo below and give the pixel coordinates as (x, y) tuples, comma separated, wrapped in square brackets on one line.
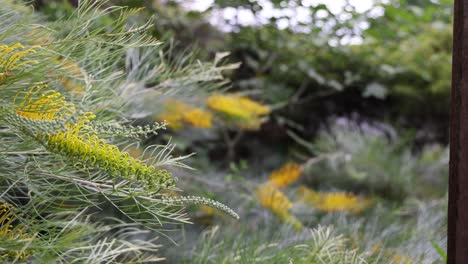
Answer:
[(69, 193)]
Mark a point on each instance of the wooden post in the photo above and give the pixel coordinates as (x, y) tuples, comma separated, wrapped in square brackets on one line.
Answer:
[(457, 234)]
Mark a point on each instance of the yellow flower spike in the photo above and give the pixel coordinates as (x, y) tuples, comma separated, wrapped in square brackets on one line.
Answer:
[(7, 49), (287, 174), (273, 199), (49, 106), (7, 232), (12, 62), (81, 143), (237, 107), (173, 113), (32, 92), (177, 113), (197, 118), (334, 202), (341, 202), (11, 56), (174, 121), (254, 107), (97, 153)]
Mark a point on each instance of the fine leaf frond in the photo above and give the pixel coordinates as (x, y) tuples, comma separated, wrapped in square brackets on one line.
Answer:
[(63, 169)]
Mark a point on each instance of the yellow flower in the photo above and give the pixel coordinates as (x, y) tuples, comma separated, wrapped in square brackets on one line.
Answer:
[(80, 142), (49, 106), (237, 107), (198, 118), (10, 55), (173, 120), (11, 58), (339, 202), (177, 113), (253, 107), (7, 232), (173, 113), (5, 218), (273, 199), (334, 202), (286, 175)]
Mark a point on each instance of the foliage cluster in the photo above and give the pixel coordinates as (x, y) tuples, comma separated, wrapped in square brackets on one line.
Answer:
[(64, 164), (309, 142)]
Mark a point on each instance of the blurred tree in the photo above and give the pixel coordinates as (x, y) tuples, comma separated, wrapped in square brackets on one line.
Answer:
[(390, 62)]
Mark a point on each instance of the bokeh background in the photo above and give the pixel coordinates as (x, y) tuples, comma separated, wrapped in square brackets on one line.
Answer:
[(311, 119)]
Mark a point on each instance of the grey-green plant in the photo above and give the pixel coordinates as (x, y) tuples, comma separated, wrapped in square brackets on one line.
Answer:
[(374, 159), (70, 193)]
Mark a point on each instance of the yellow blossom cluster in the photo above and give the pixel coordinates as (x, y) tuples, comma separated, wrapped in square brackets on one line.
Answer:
[(11, 58), (5, 219), (8, 233), (287, 174), (177, 113), (80, 141), (334, 202), (197, 118), (237, 107), (272, 198), (49, 106), (243, 112)]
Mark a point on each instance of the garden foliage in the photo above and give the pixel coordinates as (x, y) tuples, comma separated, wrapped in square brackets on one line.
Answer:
[(326, 135)]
